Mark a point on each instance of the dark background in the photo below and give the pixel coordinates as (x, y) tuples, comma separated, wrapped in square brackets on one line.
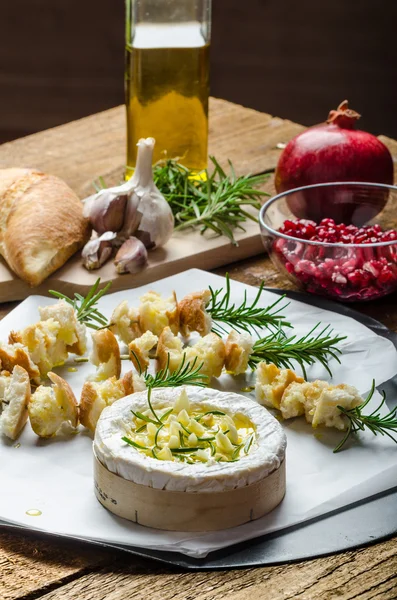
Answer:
[(63, 59)]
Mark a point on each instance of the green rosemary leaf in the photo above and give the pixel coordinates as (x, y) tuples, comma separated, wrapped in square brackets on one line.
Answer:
[(357, 421), (143, 417), (166, 414), (141, 429), (185, 429), (215, 201), (210, 412), (181, 440), (187, 450), (237, 451), (248, 443), (85, 307), (149, 393), (247, 316), (186, 374), (280, 350), (157, 434), (132, 443)]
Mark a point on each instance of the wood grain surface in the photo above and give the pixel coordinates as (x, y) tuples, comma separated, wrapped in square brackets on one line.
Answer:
[(34, 566), (71, 152)]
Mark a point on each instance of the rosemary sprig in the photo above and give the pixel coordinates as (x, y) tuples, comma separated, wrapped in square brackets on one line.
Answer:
[(85, 306), (281, 350), (374, 421), (186, 374), (209, 201), (245, 317)]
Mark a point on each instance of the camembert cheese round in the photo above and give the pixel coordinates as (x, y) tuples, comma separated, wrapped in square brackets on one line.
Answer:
[(191, 459)]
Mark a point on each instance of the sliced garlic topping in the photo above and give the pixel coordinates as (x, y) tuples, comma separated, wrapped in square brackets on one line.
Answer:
[(182, 434)]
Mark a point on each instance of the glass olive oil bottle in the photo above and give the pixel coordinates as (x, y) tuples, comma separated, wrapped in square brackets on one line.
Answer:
[(167, 79)]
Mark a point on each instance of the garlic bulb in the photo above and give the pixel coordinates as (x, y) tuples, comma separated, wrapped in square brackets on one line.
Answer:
[(135, 208), (132, 256), (148, 215), (97, 251)]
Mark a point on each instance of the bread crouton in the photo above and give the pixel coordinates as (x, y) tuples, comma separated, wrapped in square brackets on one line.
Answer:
[(95, 396), (15, 401), (17, 354), (238, 350), (71, 331), (139, 350), (193, 315), (125, 322), (271, 383), (105, 355), (52, 406)]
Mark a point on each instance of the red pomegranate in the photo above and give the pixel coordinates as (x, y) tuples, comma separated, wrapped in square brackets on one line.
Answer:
[(330, 152)]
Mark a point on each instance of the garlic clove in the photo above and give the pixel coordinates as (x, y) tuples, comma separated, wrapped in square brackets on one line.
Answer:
[(105, 210), (157, 221), (132, 256), (98, 250)]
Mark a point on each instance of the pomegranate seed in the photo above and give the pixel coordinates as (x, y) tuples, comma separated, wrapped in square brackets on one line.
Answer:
[(342, 273)]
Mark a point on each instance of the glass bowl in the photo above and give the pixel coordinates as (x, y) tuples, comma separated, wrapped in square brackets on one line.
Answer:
[(346, 272)]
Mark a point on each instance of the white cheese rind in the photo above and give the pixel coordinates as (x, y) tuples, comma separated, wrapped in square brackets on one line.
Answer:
[(124, 460)]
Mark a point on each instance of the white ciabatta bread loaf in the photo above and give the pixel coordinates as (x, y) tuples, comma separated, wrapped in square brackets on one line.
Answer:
[(15, 402), (41, 223)]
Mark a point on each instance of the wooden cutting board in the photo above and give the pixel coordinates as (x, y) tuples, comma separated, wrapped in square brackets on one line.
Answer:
[(83, 150)]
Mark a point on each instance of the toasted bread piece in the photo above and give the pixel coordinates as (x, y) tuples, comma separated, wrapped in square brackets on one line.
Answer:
[(105, 355), (193, 315), (52, 406), (238, 350), (15, 401), (133, 382), (326, 411), (4, 381), (95, 396), (156, 312), (45, 347), (71, 331), (169, 350), (209, 352), (125, 322), (271, 383), (17, 354), (139, 350)]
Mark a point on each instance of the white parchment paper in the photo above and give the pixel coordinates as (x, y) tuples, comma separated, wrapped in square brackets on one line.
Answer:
[(55, 476)]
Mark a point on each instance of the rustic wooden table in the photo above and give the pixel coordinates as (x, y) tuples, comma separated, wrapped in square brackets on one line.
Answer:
[(34, 566)]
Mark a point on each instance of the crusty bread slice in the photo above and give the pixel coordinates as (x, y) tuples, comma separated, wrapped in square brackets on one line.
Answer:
[(18, 354), (95, 396), (51, 406), (71, 331), (192, 313), (139, 350), (41, 223), (238, 351), (15, 403), (105, 355)]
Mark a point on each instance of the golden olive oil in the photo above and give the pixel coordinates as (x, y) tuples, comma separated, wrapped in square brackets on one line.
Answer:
[(167, 87)]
